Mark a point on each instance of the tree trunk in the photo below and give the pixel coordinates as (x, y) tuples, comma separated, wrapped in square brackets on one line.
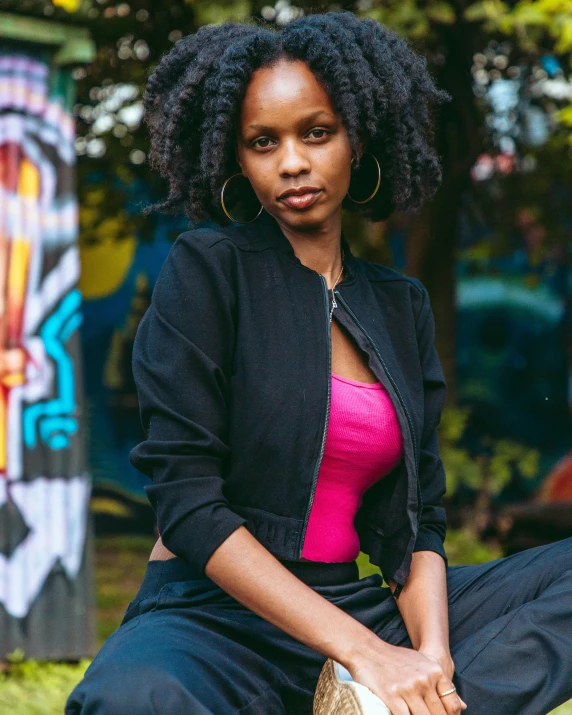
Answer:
[(432, 247)]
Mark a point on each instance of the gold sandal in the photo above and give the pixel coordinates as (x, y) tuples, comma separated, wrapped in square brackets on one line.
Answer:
[(338, 694)]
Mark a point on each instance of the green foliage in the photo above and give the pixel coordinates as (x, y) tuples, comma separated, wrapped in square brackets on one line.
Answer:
[(441, 13), (492, 468), (565, 709), (533, 24), (30, 687), (61, 11), (223, 11), (119, 569), (463, 548), (490, 12)]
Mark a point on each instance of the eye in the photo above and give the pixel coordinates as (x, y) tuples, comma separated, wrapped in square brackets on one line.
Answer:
[(320, 131), (255, 143)]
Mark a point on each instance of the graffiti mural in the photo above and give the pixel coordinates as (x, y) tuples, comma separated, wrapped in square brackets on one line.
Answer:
[(121, 256), (44, 485)]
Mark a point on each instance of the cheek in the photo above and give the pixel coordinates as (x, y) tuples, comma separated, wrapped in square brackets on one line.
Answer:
[(335, 167), (261, 175), (263, 180)]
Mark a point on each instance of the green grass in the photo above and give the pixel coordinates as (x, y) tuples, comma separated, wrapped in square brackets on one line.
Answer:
[(120, 564), (29, 687), (33, 688)]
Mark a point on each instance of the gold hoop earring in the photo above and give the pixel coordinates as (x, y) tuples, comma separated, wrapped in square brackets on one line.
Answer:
[(378, 183), (223, 204)]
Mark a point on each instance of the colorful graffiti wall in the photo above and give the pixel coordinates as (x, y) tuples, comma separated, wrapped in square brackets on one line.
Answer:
[(119, 268), (44, 484)]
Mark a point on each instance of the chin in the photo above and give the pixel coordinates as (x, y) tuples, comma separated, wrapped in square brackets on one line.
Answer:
[(309, 220)]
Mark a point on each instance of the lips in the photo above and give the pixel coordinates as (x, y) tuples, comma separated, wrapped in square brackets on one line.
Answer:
[(301, 198)]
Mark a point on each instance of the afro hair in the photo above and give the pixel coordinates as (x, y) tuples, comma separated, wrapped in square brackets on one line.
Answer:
[(380, 88)]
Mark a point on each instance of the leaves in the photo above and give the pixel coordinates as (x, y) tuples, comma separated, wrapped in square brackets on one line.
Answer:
[(486, 10), (564, 41), (68, 5), (31, 687), (478, 472), (527, 14), (441, 12), (230, 11)]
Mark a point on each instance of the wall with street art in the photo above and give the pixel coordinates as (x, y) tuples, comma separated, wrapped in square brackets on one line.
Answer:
[(44, 483)]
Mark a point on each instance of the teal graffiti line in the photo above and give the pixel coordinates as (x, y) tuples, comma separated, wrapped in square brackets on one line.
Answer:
[(73, 323), (51, 332), (54, 431)]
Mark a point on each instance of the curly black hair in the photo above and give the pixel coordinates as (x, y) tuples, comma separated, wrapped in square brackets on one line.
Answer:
[(379, 86)]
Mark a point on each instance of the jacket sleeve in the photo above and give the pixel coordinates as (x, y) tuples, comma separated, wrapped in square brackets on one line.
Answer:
[(182, 359), (432, 479)]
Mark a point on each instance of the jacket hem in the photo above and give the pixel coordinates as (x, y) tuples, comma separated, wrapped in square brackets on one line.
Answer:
[(281, 535)]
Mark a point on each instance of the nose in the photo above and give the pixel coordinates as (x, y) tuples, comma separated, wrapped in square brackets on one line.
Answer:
[(294, 159)]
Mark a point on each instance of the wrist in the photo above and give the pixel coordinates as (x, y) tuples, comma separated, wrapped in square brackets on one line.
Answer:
[(365, 646), (435, 648), (442, 655)]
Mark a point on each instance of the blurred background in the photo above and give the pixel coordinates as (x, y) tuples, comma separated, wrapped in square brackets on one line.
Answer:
[(78, 264)]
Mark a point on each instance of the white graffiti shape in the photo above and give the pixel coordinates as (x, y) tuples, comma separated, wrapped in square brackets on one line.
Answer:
[(55, 510)]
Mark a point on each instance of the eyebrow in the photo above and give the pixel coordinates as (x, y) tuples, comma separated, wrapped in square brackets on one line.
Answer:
[(307, 118)]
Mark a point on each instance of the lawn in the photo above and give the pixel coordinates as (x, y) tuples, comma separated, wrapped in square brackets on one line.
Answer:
[(32, 688)]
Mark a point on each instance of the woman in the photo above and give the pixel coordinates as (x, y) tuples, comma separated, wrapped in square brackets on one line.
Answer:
[(290, 394)]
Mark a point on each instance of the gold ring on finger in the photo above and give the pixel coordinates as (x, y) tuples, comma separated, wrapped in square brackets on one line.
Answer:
[(448, 692)]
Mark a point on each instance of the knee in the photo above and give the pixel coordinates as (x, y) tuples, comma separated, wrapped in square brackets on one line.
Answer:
[(109, 695), (148, 690), (562, 553)]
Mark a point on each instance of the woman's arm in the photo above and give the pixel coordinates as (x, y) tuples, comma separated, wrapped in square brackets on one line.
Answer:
[(406, 680), (246, 570), (182, 362), (432, 477), (423, 601), (423, 604)]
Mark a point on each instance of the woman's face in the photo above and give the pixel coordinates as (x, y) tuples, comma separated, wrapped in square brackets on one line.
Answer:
[(290, 139)]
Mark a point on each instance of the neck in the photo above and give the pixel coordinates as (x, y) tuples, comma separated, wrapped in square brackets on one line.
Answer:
[(318, 248)]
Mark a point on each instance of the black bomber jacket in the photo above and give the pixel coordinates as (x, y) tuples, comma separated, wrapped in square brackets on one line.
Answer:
[(232, 364)]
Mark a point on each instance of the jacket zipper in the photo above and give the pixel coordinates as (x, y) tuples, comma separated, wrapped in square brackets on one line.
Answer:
[(390, 377), (399, 586), (325, 431)]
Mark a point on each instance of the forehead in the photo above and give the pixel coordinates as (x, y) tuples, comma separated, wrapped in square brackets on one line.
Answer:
[(283, 93)]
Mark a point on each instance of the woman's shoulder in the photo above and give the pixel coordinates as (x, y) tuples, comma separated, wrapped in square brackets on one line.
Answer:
[(406, 294), (379, 272), (204, 251), (199, 270), (205, 238)]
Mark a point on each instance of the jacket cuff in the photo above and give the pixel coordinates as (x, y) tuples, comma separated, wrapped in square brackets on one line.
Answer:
[(428, 540), (213, 538), (195, 536)]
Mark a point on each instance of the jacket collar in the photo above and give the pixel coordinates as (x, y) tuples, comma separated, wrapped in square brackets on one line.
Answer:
[(266, 233)]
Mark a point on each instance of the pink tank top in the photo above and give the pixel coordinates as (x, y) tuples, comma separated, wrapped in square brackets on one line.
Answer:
[(363, 444)]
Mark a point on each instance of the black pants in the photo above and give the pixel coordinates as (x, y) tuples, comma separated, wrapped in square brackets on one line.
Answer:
[(185, 647)]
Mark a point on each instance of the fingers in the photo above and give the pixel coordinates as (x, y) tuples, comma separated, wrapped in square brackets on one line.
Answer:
[(453, 704), (418, 706), (399, 708), (432, 705), (450, 704), (447, 705)]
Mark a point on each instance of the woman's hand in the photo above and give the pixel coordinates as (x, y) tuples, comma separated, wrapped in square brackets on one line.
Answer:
[(442, 657), (408, 681), (445, 661)]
